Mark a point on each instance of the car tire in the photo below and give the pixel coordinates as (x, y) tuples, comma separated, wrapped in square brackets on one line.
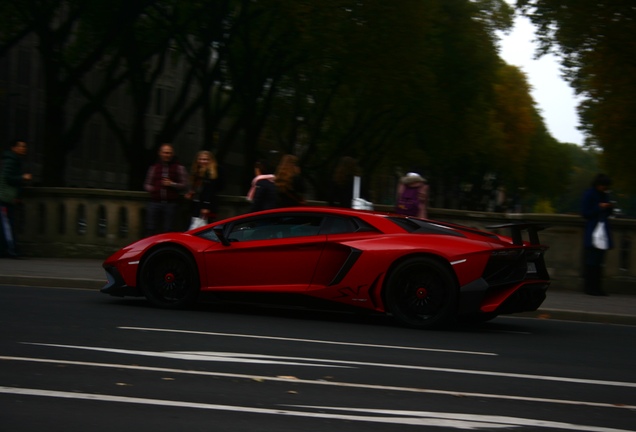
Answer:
[(169, 278), (422, 293)]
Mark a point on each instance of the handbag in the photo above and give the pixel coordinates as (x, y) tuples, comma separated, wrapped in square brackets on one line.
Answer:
[(196, 222), (599, 237), (358, 203)]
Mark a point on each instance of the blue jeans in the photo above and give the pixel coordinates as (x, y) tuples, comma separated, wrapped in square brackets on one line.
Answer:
[(7, 229)]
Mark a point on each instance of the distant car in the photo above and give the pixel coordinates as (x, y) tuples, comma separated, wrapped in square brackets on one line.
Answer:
[(422, 272)]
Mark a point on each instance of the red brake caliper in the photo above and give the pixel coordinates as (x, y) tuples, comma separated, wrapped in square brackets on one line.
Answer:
[(168, 278), (421, 293)]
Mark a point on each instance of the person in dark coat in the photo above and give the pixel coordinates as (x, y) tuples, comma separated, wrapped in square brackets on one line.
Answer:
[(12, 179), (262, 193), (596, 208), (341, 190)]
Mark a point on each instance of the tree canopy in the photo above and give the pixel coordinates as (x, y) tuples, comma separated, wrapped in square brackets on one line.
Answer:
[(594, 40), (408, 85)]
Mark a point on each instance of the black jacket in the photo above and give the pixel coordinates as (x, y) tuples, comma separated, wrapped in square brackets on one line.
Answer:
[(264, 195), (11, 182)]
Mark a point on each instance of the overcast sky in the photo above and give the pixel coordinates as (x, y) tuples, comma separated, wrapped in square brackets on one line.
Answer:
[(554, 97)]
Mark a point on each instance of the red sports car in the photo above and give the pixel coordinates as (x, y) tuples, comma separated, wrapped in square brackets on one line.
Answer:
[(422, 272)]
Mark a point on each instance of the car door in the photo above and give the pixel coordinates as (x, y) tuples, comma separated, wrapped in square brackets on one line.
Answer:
[(268, 253), (339, 255)]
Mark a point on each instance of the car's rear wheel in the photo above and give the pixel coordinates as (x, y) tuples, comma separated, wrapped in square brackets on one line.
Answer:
[(169, 278), (422, 293)]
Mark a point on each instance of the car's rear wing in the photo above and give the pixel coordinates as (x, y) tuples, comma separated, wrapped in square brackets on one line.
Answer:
[(517, 229)]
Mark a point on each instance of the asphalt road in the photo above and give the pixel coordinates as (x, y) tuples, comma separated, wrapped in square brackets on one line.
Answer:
[(76, 360)]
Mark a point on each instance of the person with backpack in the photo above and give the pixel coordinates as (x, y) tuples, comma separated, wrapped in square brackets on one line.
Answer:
[(412, 196)]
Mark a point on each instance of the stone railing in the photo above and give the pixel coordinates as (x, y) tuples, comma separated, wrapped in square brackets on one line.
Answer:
[(93, 223)]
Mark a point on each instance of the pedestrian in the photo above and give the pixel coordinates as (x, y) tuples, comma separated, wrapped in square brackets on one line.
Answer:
[(289, 182), (341, 190), (12, 179), (412, 196), (205, 184), (166, 180), (262, 193), (596, 208)]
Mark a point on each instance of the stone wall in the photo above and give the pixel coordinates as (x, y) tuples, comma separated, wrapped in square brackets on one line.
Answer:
[(93, 223)]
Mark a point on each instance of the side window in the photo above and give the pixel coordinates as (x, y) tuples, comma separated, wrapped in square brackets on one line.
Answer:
[(341, 225), (276, 227)]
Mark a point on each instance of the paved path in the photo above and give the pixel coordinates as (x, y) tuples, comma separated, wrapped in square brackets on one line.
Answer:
[(88, 274)]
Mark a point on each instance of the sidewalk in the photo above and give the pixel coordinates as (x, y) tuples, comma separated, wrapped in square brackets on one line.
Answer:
[(88, 274)]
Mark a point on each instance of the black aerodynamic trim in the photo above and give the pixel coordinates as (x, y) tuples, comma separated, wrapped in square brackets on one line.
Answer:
[(346, 266), (420, 226), (116, 285), (528, 298), (375, 286), (471, 296), (507, 269), (518, 228)]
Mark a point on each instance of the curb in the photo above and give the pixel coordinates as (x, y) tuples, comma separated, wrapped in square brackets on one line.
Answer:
[(582, 316), (53, 282)]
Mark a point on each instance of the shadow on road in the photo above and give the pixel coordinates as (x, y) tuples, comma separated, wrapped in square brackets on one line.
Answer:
[(293, 307)]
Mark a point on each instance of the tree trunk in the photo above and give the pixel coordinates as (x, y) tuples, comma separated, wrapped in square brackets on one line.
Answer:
[(55, 147)]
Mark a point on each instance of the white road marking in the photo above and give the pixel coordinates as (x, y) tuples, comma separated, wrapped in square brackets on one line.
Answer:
[(408, 348), (207, 356), (295, 380), (249, 358), (414, 418), (509, 421)]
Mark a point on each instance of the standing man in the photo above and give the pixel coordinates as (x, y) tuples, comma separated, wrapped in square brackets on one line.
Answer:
[(12, 179), (596, 208), (165, 181)]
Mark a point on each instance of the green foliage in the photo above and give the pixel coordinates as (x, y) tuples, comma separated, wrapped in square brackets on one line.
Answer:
[(410, 84), (543, 206), (595, 42)]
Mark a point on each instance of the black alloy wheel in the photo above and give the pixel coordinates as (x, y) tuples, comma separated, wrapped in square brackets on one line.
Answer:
[(169, 278), (422, 293)]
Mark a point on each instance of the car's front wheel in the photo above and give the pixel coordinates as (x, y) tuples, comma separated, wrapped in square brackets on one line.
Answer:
[(169, 278), (422, 293)]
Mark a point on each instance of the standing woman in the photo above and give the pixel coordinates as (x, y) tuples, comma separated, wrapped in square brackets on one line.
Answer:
[(289, 183), (205, 184)]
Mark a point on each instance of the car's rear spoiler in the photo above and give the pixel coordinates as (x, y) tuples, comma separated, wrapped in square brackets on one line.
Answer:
[(517, 229)]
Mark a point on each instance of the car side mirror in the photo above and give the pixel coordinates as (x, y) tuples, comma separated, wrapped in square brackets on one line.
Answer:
[(219, 231)]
